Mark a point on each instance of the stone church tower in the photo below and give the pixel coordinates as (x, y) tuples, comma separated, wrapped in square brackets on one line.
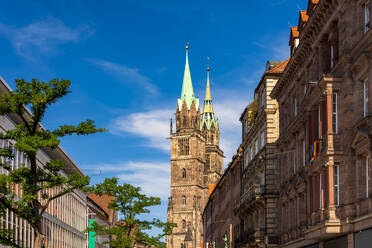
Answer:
[(196, 164)]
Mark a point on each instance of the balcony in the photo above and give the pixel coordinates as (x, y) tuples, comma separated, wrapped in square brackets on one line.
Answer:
[(250, 236), (250, 199)]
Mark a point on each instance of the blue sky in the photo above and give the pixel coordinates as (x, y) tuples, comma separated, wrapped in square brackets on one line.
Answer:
[(125, 60)]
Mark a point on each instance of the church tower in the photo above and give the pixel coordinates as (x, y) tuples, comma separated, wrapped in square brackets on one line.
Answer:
[(209, 127), (191, 144)]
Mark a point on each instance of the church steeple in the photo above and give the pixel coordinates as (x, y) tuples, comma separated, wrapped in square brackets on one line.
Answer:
[(187, 93), (208, 117)]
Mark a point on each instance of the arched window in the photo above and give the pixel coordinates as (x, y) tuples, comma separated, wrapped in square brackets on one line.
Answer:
[(184, 122), (184, 200), (183, 173), (183, 223)]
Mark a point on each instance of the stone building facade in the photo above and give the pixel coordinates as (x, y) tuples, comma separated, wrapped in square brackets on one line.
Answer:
[(221, 225), (258, 202), (196, 164), (325, 128)]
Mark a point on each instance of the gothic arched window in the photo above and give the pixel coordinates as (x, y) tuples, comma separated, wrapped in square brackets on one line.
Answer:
[(183, 200), (183, 223), (183, 173), (184, 122)]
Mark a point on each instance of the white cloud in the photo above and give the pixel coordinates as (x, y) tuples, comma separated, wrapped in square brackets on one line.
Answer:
[(153, 126), (42, 37), (126, 74), (152, 177), (228, 112)]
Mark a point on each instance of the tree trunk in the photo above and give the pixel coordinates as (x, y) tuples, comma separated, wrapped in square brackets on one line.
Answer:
[(39, 240)]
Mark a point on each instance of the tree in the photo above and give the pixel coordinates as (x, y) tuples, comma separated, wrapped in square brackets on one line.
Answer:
[(30, 137), (130, 204)]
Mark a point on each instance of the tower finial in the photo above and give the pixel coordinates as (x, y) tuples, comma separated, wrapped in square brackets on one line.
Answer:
[(208, 58), (187, 45)]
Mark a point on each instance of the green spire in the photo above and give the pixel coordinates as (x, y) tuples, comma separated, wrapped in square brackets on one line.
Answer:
[(187, 89), (208, 117)]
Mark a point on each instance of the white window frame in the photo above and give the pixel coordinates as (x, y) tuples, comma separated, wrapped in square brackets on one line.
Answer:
[(303, 152), (334, 113), (296, 42), (366, 17), (336, 184), (367, 176), (365, 98)]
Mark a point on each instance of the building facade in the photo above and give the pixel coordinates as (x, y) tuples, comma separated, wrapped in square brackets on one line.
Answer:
[(221, 225), (196, 164), (258, 202), (100, 213), (66, 217), (325, 128)]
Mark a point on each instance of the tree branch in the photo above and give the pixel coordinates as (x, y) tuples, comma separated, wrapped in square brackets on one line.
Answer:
[(53, 198), (24, 120)]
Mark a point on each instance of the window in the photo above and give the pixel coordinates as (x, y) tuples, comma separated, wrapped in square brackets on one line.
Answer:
[(183, 200), (366, 17), (303, 153), (319, 121), (295, 106), (367, 177), (263, 98), (183, 223), (256, 146), (183, 173), (184, 146), (365, 98), (262, 138), (320, 192), (336, 183), (332, 55), (246, 157), (252, 155), (334, 113), (294, 161)]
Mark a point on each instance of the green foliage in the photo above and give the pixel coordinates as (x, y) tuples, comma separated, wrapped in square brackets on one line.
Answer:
[(130, 204), (30, 137)]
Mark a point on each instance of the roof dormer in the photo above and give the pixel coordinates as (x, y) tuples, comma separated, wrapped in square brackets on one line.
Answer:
[(294, 39), (311, 5), (302, 20)]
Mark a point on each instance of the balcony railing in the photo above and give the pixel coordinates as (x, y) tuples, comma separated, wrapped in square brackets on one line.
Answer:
[(254, 191)]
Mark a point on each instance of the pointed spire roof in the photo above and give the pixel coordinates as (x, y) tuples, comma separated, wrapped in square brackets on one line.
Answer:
[(208, 107), (187, 93), (208, 117)]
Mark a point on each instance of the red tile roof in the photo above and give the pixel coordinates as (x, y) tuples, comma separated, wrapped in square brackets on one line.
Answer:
[(103, 201), (279, 68)]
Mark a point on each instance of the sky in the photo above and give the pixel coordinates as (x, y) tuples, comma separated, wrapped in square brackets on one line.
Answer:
[(125, 60)]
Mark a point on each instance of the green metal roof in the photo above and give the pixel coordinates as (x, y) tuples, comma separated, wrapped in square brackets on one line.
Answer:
[(187, 94), (208, 117)]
